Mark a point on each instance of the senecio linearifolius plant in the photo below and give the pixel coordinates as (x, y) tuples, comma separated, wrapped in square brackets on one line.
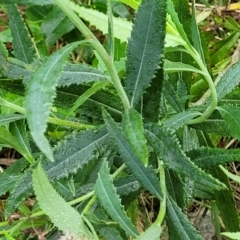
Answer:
[(93, 138)]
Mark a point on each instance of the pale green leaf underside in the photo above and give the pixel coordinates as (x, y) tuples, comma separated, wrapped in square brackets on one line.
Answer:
[(152, 233), (22, 43), (63, 216), (132, 125), (121, 27), (233, 236), (4, 119), (107, 194), (166, 145), (231, 115), (145, 175), (180, 119), (228, 81), (232, 176), (41, 91), (144, 50), (170, 66)]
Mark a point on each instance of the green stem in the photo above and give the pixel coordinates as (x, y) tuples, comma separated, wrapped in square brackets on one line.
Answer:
[(162, 211), (56, 121), (67, 8), (210, 82)]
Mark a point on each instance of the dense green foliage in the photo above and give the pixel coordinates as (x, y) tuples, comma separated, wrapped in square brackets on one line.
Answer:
[(99, 120)]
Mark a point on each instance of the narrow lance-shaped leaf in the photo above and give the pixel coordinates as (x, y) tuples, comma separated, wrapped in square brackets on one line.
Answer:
[(22, 43), (18, 130), (40, 93), (181, 228), (145, 47), (107, 194), (209, 157), (180, 119), (7, 138), (231, 115), (170, 66), (195, 33), (55, 24), (61, 213), (4, 119), (133, 130), (145, 175), (228, 81), (3, 50), (167, 147)]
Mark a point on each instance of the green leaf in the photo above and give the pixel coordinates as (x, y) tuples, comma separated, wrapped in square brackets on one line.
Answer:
[(22, 42), (71, 155), (170, 66), (231, 235), (54, 25), (195, 33), (110, 233), (170, 95), (121, 27), (18, 130), (7, 138), (107, 195), (35, 2), (144, 50), (209, 157), (86, 95), (176, 188), (152, 98), (180, 227), (3, 50), (145, 175), (79, 74), (167, 147), (226, 46), (152, 233), (231, 115), (180, 119), (63, 216), (10, 177), (232, 24), (4, 119), (40, 93), (232, 176), (228, 81), (175, 18), (214, 125), (229, 215), (133, 130)]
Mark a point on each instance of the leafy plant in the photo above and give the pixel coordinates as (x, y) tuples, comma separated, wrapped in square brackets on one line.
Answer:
[(95, 132)]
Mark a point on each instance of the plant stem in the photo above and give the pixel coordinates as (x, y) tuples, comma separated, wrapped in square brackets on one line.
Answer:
[(162, 211), (56, 121), (68, 8), (210, 82)]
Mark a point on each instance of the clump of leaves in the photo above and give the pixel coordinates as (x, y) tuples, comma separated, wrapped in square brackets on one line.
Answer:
[(92, 139)]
